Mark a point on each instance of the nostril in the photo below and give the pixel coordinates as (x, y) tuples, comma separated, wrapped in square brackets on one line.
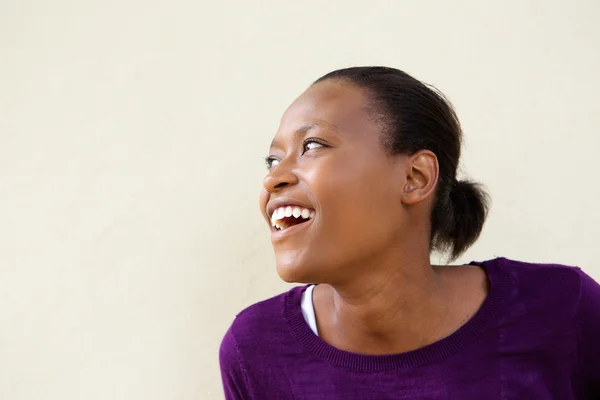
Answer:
[(280, 185)]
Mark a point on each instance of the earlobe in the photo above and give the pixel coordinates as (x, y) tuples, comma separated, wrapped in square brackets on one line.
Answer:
[(421, 177)]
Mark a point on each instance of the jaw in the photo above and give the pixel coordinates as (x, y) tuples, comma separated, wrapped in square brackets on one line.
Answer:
[(292, 266)]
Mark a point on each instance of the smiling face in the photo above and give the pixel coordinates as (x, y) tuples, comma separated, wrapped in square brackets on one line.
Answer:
[(332, 196)]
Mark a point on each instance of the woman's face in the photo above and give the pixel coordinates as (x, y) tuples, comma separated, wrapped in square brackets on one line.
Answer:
[(329, 170)]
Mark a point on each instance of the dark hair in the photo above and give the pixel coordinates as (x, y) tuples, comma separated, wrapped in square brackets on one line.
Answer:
[(416, 117)]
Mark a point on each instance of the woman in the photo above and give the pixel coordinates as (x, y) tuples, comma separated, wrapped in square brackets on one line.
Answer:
[(361, 187)]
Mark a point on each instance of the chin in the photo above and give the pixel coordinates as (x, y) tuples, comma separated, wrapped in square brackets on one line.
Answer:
[(293, 270), (293, 274)]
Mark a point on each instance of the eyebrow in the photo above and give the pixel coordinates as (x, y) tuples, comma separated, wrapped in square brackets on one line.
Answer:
[(307, 128)]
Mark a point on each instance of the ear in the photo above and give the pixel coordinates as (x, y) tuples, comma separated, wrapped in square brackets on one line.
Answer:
[(422, 171)]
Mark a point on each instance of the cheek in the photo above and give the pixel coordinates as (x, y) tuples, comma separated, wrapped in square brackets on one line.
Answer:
[(350, 181), (356, 200)]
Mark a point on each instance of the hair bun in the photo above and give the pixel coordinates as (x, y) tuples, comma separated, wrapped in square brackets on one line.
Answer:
[(469, 205)]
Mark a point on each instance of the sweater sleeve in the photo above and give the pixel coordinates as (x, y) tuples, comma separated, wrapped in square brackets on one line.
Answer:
[(232, 372), (589, 333)]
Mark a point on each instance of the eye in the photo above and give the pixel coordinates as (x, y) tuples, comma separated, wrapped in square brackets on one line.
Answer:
[(311, 144), (271, 162)]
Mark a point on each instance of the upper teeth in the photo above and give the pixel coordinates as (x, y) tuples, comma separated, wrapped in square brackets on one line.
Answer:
[(289, 211)]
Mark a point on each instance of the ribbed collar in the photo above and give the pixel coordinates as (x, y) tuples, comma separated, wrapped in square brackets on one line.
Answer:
[(500, 284)]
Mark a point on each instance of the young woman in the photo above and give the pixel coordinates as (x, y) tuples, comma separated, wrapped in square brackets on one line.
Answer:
[(361, 187)]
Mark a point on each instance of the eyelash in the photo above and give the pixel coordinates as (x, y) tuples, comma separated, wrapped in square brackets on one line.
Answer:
[(269, 159)]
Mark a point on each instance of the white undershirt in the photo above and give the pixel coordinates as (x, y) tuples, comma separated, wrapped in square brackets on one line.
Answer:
[(308, 310)]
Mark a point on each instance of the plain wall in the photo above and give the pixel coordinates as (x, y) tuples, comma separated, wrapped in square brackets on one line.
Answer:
[(131, 142)]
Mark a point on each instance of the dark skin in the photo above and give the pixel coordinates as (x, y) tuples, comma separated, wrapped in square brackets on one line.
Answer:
[(367, 245)]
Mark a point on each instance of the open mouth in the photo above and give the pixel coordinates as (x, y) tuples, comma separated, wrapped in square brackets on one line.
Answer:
[(285, 217)]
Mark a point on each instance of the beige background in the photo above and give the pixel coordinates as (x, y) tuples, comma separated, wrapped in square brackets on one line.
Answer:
[(131, 142)]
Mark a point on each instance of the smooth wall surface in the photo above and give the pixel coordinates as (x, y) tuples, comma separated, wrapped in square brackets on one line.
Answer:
[(131, 142)]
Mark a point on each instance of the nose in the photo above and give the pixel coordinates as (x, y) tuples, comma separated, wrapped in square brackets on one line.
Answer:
[(279, 177)]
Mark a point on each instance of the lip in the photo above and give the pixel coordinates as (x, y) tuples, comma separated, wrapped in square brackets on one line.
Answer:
[(277, 235)]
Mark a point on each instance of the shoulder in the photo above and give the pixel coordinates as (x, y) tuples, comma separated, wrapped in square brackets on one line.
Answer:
[(548, 290), (257, 332), (263, 323), (541, 277), (587, 322), (556, 298), (264, 314), (588, 308)]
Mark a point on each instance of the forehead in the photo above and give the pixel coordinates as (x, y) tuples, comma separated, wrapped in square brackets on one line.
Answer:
[(331, 102)]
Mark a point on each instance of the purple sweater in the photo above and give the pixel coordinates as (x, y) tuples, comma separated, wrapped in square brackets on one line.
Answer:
[(536, 336)]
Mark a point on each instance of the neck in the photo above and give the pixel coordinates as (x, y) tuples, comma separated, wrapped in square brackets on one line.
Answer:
[(399, 305)]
